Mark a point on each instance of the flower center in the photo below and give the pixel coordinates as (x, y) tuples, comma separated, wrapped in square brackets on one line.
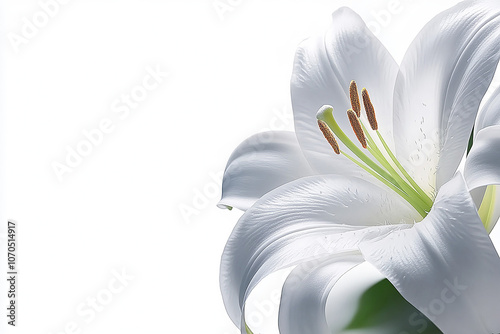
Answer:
[(386, 168)]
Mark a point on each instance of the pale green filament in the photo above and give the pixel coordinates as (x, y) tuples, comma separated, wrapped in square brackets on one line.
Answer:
[(487, 207), (422, 194), (390, 185), (328, 118), (384, 170), (377, 153)]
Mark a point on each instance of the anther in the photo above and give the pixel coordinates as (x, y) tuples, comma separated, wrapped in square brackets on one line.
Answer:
[(353, 92), (329, 136), (370, 110), (356, 127)]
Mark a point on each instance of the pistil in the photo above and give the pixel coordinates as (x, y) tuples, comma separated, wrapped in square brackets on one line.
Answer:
[(388, 172)]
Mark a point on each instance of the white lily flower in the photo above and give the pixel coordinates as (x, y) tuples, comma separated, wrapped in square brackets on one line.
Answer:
[(398, 206)]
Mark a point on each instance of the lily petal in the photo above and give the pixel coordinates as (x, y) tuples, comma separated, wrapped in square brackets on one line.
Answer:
[(482, 166), (489, 211), (482, 169), (446, 266), (364, 301), (324, 67), (343, 294), (490, 113), (300, 221), (442, 80), (306, 290), (488, 116), (261, 163)]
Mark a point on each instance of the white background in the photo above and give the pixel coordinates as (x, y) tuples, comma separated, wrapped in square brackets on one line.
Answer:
[(144, 199)]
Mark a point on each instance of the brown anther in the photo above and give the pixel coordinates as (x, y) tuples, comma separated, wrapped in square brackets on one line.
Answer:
[(356, 127), (329, 136), (353, 92), (370, 110)]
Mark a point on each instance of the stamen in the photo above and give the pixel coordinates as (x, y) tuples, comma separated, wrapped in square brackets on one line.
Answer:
[(356, 127), (385, 171), (329, 136), (370, 110), (353, 92)]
